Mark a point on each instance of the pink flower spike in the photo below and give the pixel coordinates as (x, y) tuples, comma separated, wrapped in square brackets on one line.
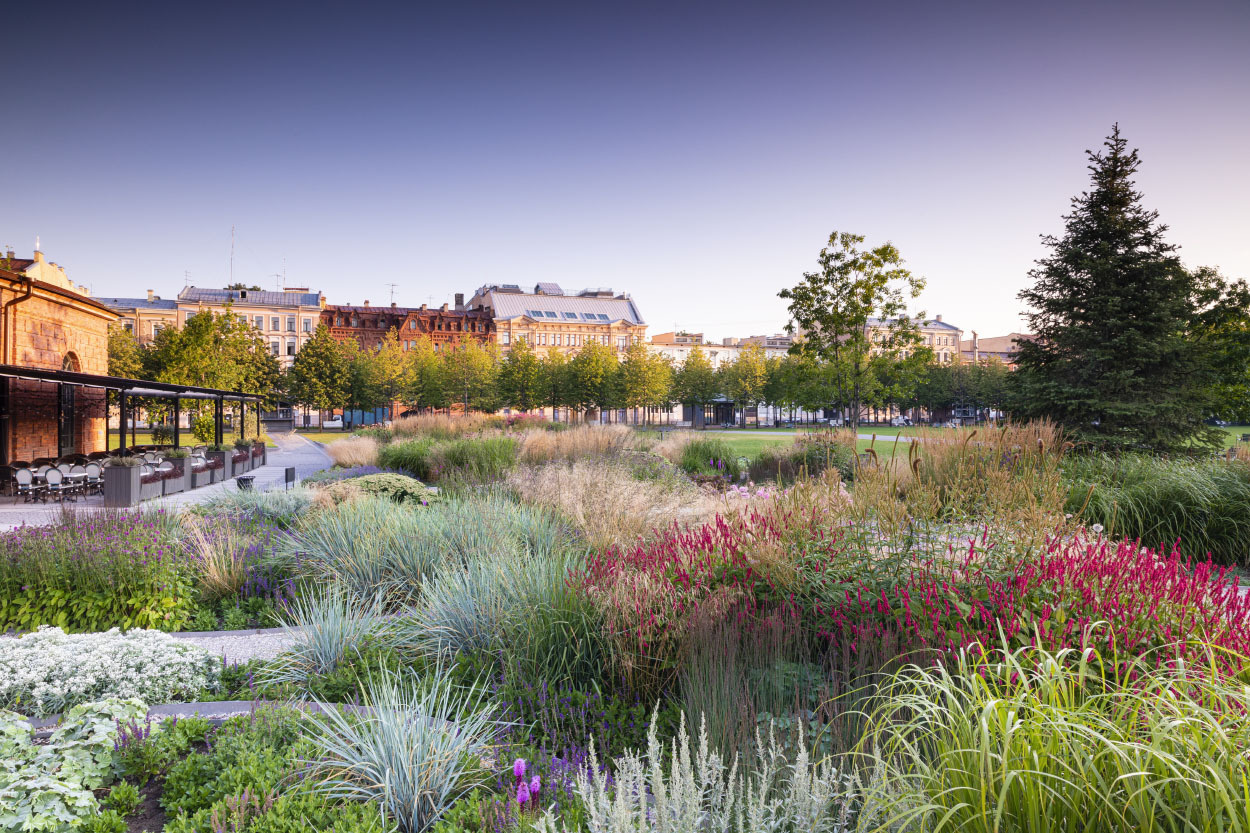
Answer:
[(518, 768)]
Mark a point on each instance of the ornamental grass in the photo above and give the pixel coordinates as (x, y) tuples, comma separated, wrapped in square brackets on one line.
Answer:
[(1202, 502), (616, 501), (1072, 740), (354, 451)]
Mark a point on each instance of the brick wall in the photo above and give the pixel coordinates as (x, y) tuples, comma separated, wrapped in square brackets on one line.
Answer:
[(42, 332)]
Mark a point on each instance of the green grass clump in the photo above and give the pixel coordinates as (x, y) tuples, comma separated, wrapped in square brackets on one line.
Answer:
[(1029, 740), (709, 456), (787, 463), (1203, 502), (472, 459)]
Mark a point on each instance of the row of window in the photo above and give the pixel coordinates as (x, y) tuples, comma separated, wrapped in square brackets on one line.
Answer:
[(440, 325), (568, 316), (566, 340)]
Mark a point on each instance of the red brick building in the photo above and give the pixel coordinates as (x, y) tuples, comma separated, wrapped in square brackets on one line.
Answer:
[(47, 324), (369, 325)]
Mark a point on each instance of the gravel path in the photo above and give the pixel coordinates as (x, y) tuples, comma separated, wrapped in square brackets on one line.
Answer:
[(243, 646)]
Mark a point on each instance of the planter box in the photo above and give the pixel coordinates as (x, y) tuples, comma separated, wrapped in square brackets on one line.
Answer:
[(121, 486), (198, 478), (179, 483), (147, 491), (217, 475)]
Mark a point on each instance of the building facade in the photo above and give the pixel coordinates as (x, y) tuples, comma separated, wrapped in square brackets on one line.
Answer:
[(940, 337), (548, 317), (285, 320), (368, 325), (676, 346), (49, 323), (977, 350), (144, 317)]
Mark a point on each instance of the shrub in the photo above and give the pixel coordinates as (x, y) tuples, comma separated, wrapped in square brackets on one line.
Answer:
[(1203, 503), (94, 571), (49, 671), (338, 473), (397, 487), (616, 501), (123, 797), (702, 791), (354, 451), (1014, 739), (414, 753)]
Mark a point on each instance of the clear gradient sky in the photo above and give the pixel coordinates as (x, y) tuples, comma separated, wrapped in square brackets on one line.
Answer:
[(696, 156)]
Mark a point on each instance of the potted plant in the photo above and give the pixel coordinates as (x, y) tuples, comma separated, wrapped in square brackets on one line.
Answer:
[(240, 461), (121, 481), (260, 455), (175, 479)]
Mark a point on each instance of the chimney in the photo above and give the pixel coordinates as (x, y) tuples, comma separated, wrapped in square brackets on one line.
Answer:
[(976, 351), (444, 308), (38, 256), (9, 254), (459, 301), (423, 307), (937, 318), (151, 296), (393, 305), (366, 302)]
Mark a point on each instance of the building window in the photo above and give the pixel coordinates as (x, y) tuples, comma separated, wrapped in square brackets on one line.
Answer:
[(622, 342), (308, 325), (290, 323), (259, 322), (559, 340), (505, 338), (412, 323), (130, 327), (273, 324), (290, 347), (273, 347)]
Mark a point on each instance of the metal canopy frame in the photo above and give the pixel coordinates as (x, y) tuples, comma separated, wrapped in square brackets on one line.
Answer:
[(128, 389)]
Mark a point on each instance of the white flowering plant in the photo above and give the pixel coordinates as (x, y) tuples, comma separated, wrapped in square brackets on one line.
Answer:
[(49, 786), (49, 671), (696, 789)]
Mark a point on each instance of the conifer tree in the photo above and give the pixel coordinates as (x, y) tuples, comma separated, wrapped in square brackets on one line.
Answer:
[(1112, 308)]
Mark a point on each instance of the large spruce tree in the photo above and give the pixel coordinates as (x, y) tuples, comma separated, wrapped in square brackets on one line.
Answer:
[(1112, 360)]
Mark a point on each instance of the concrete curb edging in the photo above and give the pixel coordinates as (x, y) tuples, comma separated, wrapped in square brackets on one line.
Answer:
[(216, 712)]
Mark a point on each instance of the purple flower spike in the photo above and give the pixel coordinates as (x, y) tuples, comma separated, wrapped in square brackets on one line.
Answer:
[(518, 768), (522, 794), (536, 784)]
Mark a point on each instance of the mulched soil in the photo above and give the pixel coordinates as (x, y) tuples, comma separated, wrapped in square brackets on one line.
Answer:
[(148, 817)]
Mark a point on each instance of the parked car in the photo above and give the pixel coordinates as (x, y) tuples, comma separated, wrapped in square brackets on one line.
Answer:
[(834, 422), (900, 421), (332, 422)]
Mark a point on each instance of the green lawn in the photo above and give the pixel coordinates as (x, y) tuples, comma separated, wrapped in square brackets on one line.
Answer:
[(323, 436)]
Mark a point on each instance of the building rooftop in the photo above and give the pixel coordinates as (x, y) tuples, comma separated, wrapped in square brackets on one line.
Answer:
[(597, 308), (929, 323), (196, 294), (139, 303)]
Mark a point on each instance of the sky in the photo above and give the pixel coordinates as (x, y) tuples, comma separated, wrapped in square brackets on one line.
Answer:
[(696, 156)]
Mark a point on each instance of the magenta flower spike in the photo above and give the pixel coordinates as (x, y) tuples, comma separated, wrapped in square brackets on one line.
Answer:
[(518, 768), (536, 784), (522, 794)]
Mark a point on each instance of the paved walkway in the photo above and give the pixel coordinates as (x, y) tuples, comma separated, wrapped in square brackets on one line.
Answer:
[(293, 450)]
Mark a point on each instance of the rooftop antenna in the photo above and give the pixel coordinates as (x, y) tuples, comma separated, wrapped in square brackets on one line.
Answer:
[(232, 254), (186, 277), (276, 278), (284, 273), (392, 286), (36, 242)]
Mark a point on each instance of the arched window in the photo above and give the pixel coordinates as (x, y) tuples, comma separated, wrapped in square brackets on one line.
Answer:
[(71, 363)]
